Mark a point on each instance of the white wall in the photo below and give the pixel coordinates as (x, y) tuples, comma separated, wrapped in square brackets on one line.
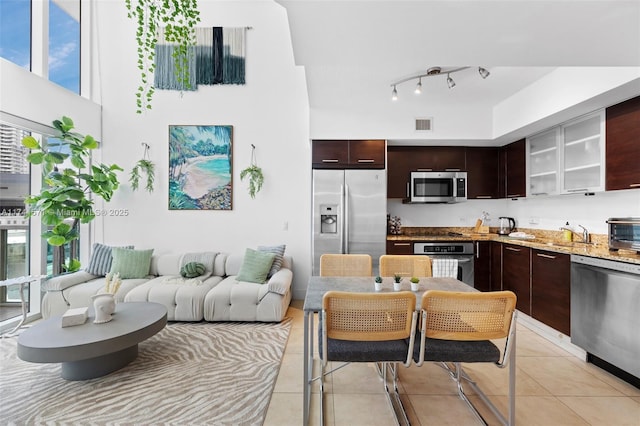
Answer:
[(270, 111)]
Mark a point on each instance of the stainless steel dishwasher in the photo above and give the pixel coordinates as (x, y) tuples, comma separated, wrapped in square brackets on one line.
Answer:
[(605, 298)]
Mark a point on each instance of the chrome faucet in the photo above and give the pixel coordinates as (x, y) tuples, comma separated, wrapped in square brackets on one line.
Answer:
[(585, 233)]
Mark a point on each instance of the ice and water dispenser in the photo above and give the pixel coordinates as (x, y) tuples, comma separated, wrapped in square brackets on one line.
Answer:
[(328, 218)]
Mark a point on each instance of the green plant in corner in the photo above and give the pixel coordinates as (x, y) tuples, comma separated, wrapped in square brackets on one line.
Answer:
[(65, 198), (145, 166), (256, 178), (179, 18), (397, 278)]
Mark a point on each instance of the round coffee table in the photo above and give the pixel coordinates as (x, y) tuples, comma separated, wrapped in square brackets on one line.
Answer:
[(93, 350)]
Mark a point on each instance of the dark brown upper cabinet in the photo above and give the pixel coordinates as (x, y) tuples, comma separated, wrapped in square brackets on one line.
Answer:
[(515, 170), (348, 154), (623, 145), (483, 165), (402, 160)]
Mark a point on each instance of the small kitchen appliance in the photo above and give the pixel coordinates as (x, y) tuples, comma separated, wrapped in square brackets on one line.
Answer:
[(507, 225), (624, 233)]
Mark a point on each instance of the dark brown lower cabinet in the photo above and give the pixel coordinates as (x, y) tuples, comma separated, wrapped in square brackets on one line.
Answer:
[(399, 247), (516, 274), (496, 266), (482, 266), (550, 289)]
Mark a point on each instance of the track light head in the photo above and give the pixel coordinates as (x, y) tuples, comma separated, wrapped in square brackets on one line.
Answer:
[(419, 86), (394, 94), (483, 72), (450, 82)]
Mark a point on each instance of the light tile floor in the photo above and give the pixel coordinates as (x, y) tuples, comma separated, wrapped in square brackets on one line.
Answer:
[(553, 387)]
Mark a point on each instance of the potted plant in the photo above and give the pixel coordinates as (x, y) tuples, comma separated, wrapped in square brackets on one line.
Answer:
[(397, 282), (65, 199), (377, 282), (256, 178), (414, 283)]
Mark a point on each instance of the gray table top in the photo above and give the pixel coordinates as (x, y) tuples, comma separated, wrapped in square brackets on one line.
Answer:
[(318, 286), (133, 322)]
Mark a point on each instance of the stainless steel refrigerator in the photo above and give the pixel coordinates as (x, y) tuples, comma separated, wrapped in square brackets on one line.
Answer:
[(349, 213)]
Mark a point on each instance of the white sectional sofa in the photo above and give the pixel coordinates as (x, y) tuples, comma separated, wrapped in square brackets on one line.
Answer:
[(216, 295)]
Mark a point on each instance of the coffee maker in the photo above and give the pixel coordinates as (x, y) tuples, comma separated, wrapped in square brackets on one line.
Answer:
[(507, 225)]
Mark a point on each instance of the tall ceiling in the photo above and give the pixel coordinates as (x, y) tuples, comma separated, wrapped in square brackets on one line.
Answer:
[(354, 50)]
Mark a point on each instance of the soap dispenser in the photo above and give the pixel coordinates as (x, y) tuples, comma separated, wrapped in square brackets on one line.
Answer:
[(567, 235)]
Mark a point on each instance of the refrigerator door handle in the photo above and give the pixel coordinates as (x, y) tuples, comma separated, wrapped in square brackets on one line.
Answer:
[(345, 235), (341, 219)]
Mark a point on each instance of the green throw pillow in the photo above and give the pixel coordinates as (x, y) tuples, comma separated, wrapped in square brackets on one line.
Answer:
[(255, 266), (192, 270), (131, 263)]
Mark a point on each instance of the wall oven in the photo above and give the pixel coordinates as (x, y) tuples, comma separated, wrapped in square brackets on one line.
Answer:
[(438, 187), (461, 251), (624, 233)]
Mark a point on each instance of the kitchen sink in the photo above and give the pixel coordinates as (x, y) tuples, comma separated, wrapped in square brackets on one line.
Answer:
[(573, 244)]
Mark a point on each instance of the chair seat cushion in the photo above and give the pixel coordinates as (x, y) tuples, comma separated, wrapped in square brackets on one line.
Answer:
[(437, 350), (358, 351)]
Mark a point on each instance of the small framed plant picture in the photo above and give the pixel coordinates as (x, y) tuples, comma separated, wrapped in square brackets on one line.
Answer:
[(200, 167)]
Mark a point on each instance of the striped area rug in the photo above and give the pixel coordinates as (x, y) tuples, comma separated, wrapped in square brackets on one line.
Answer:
[(188, 374)]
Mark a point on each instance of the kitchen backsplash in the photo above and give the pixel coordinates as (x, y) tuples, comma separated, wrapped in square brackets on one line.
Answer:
[(533, 214)]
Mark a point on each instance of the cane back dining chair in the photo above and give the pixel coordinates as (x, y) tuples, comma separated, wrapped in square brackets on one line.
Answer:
[(458, 327), (368, 327), (405, 265), (345, 265)]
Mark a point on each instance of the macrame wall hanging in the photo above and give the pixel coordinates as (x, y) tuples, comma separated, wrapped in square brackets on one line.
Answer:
[(217, 58)]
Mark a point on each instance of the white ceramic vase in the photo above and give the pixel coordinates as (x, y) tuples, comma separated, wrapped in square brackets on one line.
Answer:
[(415, 286), (104, 304), (378, 286), (397, 286)]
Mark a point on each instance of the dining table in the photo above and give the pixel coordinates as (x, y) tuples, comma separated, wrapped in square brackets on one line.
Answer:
[(318, 286)]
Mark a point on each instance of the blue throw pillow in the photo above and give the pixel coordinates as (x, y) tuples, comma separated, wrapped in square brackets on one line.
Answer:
[(277, 261), (101, 258)]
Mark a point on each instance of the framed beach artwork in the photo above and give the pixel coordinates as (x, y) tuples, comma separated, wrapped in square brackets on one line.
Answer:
[(200, 167)]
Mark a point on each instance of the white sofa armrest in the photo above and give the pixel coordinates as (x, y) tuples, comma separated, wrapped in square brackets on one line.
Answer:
[(280, 282), (62, 282)]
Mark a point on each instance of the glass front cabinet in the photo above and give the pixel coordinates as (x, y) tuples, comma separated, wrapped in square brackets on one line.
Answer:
[(568, 158)]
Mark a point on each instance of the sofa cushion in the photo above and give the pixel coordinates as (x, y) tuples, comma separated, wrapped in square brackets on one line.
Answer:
[(131, 263), (101, 258), (277, 261), (192, 269), (255, 266)]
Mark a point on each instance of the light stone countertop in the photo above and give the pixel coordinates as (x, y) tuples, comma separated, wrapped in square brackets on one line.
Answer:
[(545, 240)]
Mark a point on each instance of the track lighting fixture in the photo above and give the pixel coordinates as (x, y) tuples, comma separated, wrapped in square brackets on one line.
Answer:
[(450, 82), (432, 72)]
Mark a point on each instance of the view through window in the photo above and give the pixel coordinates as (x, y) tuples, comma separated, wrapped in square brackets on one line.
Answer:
[(14, 228)]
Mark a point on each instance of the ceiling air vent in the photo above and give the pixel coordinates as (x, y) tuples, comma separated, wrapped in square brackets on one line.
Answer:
[(423, 124)]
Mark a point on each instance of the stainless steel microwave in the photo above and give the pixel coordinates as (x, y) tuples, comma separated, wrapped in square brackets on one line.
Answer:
[(438, 187), (624, 233)]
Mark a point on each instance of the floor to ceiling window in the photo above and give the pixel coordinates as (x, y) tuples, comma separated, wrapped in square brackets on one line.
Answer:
[(64, 44), (14, 228), (44, 38), (15, 32)]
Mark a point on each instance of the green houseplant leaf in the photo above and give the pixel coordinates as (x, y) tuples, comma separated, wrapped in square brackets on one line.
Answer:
[(66, 200)]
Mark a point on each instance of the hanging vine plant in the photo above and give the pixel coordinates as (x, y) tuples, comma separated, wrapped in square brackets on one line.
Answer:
[(143, 166), (256, 178), (179, 19)]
